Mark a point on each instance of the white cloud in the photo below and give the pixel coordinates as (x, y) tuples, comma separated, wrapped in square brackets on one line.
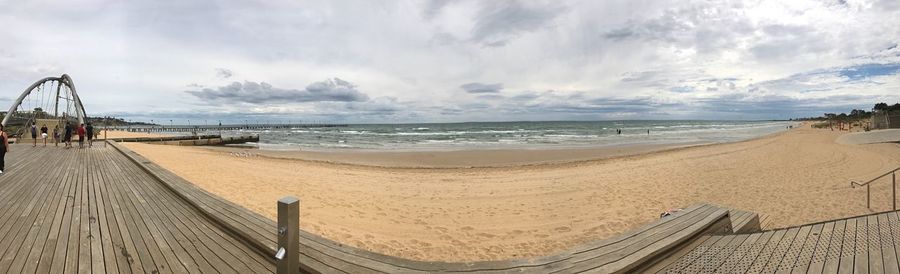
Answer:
[(409, 59)]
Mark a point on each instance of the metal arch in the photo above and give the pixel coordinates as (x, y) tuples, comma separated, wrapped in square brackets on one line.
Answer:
[(79, 107), (64, 79)]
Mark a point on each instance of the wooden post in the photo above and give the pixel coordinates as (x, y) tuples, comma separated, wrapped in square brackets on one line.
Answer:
[(894, 189), (868, 197), (288, 251)]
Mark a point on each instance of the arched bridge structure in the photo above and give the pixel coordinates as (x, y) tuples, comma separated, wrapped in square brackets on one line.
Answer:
[(50, 98)]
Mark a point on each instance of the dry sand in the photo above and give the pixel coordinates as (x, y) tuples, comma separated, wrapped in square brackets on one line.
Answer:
[(467, 214)]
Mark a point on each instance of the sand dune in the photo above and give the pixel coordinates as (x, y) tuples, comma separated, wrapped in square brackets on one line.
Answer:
[(469, 214)]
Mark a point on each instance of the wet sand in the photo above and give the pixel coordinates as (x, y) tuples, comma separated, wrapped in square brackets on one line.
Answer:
[(493, 213)]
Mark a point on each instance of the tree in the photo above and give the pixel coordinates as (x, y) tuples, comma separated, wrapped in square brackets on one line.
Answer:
[(880, 107)]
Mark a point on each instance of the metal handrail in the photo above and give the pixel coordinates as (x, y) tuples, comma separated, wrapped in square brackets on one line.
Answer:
[(893, 173)]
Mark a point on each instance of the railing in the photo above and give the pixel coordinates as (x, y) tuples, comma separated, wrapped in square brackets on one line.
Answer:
[(893, 173)]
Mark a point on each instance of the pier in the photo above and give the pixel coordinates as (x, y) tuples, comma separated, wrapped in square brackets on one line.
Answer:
[(205, 128)]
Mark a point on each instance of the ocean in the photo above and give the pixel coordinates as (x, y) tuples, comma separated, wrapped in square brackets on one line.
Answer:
[(511, 135)]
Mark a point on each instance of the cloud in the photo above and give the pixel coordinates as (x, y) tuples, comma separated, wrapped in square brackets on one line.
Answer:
[(482, 88), (263, 93), (498, 22), (223, 73), (556, 59)]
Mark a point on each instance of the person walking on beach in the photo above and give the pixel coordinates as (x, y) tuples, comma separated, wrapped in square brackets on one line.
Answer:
[(67, 137), (81, 132), (56, 135), (44, 134), (4, 148), (33, 134), (90, 135)]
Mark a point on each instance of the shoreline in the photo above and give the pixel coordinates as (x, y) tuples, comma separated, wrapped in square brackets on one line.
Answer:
[(478, 158), (461, 159)]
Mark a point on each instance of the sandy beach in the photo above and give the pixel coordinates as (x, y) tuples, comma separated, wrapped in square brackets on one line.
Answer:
[(530, 208)]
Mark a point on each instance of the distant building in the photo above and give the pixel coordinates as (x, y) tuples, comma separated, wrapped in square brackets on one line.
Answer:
[(884, 119)]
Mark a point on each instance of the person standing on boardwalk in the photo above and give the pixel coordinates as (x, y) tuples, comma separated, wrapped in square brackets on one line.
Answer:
[(81, 132), (33, 134), (67, 138), (44, 134), (90, 135), (56, 135), (4, 148)]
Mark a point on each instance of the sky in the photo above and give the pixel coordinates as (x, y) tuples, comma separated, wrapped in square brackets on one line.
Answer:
[(454, 61)]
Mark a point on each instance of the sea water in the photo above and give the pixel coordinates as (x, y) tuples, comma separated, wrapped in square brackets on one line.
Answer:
[(511, 135)]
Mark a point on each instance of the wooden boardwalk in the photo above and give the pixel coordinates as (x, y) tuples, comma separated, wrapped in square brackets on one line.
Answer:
[(865, 244), (95, 211)]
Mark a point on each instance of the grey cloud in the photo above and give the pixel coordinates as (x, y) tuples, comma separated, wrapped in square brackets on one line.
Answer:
[(704, 27), (482, 88), (498, 22), (432, 8), (491, 97), (263, 93), (223, 73)]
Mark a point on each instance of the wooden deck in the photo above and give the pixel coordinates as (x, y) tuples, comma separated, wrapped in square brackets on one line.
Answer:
[(865, 244), (95, 211)]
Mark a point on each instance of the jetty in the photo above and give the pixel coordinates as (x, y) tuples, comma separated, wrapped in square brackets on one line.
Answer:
[(199, 140), (206, 128)]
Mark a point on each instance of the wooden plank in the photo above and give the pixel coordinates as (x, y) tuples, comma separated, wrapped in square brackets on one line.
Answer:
[(99, 240), (56, 261), (144, 249), (836, 247), (86, 240), (36, 237), (861, 260), (889, 254), (791, 251), (679, 256), (174, 256), (46, 241), (827, 239), (184, 251), (778, 253), (766, 252), (131, 251), (894, 220), (160, 252), (848, 251), (16, 229), (101, 225), (23, 230), (876, 260), (188, 249), (649, 246), (233, 255), (744, 250), (725, 249), (802, 259)]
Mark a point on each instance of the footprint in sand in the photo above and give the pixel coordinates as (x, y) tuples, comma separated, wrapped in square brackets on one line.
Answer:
[(562, 229), (467, 228), (485, 235), (541, 235)]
